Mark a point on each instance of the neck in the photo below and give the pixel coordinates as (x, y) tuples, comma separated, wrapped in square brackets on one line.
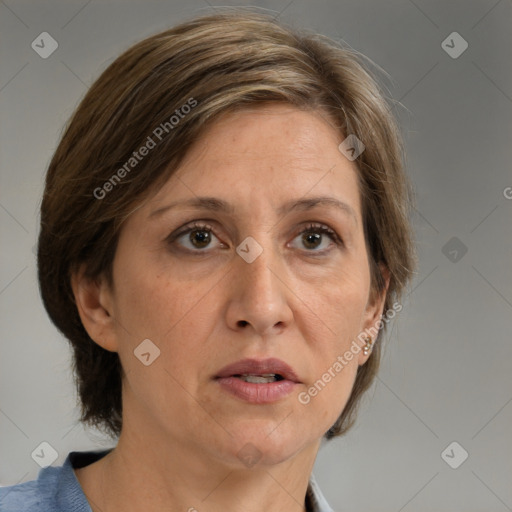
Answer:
[(141, 475)]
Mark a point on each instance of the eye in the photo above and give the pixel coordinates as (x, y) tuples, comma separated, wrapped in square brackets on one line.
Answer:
[(313, 236), (198, 236), (195, 237)]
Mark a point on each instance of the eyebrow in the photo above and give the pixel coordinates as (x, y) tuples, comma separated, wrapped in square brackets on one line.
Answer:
[(219, 205)]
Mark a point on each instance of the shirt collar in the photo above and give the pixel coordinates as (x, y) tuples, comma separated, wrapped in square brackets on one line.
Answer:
[(315, 500)]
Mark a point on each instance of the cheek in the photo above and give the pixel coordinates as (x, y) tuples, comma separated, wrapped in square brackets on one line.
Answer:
[(329, 394), (330, 384), (158, 308), (339, 307), (176, 315), (150, 300), (339, 302)]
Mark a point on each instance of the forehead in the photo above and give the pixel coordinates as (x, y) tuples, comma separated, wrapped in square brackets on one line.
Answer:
[(281, 133), (270, 155)]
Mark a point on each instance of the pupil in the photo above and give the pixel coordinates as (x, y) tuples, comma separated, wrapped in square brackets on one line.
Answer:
[(200, 236), (315, 236)]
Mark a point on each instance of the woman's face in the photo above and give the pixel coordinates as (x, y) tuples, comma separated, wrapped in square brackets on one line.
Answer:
[(276, 272)]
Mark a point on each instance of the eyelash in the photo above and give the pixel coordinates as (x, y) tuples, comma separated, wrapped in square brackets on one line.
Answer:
[(311, 228)]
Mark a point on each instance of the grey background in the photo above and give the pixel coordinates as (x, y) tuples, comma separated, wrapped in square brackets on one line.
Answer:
[(446, 373)]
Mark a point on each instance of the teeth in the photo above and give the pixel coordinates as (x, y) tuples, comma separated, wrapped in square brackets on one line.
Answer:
[(259, 379)]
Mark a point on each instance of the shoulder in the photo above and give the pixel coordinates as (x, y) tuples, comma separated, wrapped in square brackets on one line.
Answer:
[(55, 490), (33, 496)]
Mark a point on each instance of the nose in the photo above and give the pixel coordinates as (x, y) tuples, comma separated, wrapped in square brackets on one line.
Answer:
[(259, 298)]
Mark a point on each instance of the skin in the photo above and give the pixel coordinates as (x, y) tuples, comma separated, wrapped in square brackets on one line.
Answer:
[(301, 300)]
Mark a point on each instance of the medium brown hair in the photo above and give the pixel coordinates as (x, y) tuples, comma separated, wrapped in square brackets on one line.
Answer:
[(216, 64)]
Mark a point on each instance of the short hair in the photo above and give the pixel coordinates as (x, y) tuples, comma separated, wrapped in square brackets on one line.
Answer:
[(213, 64)]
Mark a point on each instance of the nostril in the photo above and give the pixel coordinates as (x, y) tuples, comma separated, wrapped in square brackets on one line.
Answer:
[(242, 323)]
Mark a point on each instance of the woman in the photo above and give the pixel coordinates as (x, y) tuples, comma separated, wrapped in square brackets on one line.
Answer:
[(224, 232)]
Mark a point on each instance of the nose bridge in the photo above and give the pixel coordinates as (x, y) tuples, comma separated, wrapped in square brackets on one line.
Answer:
[(260, 294), (258, 277)]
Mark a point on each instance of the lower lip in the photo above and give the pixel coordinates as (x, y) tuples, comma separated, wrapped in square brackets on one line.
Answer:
[(257, 393)]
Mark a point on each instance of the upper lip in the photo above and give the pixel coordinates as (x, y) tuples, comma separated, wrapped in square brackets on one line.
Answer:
[(259, 367)]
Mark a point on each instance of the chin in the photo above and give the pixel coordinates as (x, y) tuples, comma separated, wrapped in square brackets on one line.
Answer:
[(262, 443)]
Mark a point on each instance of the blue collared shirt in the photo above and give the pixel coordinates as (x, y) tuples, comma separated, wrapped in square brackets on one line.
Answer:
[(58, 490)]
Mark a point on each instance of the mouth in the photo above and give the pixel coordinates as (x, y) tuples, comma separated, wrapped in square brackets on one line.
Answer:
[(258, 381), (261, 371)]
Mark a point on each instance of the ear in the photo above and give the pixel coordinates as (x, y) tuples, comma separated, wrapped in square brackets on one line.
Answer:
[(374, 310), (94, 302)]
